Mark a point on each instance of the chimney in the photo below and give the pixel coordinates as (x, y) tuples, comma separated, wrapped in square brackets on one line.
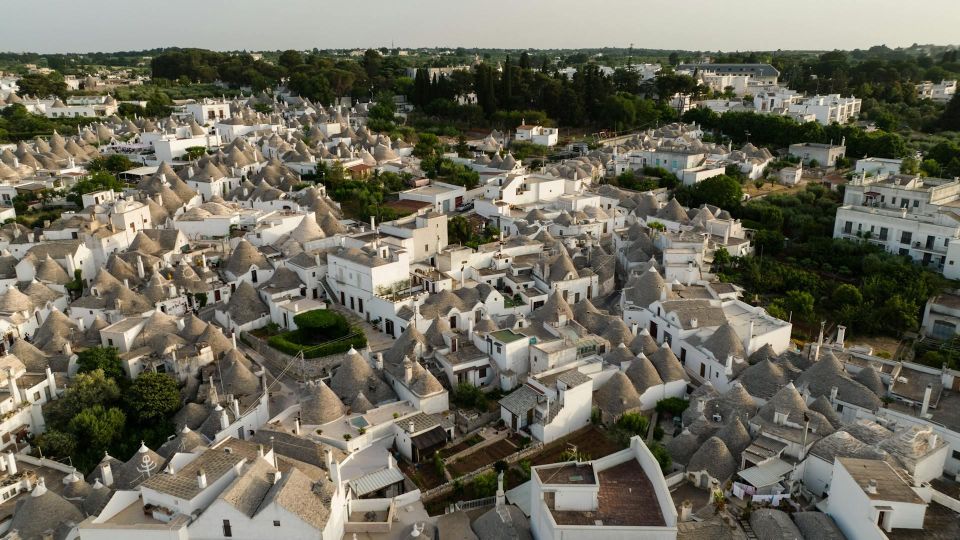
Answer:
[(67, 349), (833, 394), (11, 463), (871, 487), (140, 270), (224, 419), (329, 459), (470, 329), (260, 450), (14, 389), (701, 405), (236, 407), (410, 427), (202, 479), (686, 508), (841, 334), (407, 370), (694, 323), (633, 328), (296, 426), (106, 474), (926, 400), (379, 361), (275, 477)]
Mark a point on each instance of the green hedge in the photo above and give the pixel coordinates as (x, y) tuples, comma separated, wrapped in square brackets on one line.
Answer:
[(328, 324), (281, 342)]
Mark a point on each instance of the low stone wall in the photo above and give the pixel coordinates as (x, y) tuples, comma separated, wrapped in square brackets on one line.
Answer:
[(301, 370)]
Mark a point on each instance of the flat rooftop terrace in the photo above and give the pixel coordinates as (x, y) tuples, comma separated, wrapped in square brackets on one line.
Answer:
[(626, 498)]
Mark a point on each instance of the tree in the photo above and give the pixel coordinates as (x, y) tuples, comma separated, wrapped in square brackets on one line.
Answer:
[(97, 427), (846, 295), (634, 424), (950, 119), (721, 191), (153, 397), (57, 444), (721, 259), (458, 230), (105, 359), (801, 304), (42, 86), (114, 164), (290, 59), (87, 390)]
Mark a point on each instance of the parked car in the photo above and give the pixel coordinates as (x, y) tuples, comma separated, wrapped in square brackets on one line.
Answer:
[(465, 207)]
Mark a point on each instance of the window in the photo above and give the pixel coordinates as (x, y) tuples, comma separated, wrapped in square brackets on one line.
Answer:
[(36, 396), (110, 342), (916, 203), (360, 304), (883, 233), (276, 523), (499, 348), (482, 373), (848, 227), (227, 530), (906, 237)]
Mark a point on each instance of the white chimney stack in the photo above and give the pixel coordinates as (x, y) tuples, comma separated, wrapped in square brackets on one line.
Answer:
[(11, 463), (202, 479), (841, 335), (106, 474), (926, 400)]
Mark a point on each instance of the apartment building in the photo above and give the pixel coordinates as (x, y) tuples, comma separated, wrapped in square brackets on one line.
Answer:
[(908, 215)]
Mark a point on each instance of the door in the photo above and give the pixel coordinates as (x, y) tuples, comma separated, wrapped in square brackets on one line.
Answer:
[(653, 330)]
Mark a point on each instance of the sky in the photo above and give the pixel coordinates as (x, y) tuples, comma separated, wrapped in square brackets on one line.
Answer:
[(51, 26)]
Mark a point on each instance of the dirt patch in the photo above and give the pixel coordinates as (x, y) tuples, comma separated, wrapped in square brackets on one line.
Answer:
[(424, 475), (460, 446), (591, 442), (482, 457)]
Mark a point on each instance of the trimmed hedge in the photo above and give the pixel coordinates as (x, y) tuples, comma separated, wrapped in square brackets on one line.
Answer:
[(281, 342), (325, 322)]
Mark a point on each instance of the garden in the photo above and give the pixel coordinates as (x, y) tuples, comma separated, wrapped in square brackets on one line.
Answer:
[(319, 333)]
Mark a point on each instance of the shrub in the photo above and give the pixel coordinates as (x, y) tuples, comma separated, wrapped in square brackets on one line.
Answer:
[(325, 322), (673, 405)]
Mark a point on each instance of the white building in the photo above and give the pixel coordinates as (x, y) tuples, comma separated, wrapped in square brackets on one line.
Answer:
[(906, 215), (544, 136), (868, 499), (444, 197), (618, 497), (940, 92), (823, 155)]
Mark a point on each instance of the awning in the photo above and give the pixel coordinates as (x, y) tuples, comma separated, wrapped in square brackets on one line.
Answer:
[(375, 481), (430, 438), (766, 474)]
